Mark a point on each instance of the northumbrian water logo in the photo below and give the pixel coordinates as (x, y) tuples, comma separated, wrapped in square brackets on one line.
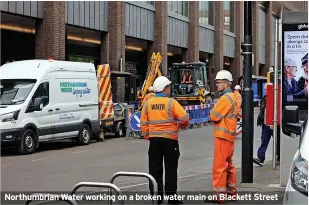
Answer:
[(76, 88)]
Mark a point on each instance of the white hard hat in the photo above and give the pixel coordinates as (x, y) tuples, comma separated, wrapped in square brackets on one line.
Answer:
[(224, 75), (289, 62), (150, 89), (237, 87), (160, 83)]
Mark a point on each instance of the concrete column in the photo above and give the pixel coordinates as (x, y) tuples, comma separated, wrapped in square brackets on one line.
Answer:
[(218, 39), (160, 32), (50, 32), (117, 34), (268, 38), (194, 32), (255, 37), (237, 64), (104, 48)]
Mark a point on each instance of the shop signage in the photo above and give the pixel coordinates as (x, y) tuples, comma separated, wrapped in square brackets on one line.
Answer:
[(131, 67), (80, 59)]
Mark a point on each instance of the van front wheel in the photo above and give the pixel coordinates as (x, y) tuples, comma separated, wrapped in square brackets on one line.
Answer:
[(84, 135), (28, 142)]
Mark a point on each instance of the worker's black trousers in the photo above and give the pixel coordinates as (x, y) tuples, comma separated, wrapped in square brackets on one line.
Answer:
[(167, 149)]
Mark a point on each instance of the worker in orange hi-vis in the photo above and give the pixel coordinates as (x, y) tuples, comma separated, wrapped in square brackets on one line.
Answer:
[(161, 119), (223, 115), (237, 91), (149, 95)]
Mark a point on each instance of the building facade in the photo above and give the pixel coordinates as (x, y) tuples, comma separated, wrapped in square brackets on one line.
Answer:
[(124, 34)]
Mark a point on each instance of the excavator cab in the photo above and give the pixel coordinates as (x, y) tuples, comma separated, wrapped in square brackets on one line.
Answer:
[(189, 83)]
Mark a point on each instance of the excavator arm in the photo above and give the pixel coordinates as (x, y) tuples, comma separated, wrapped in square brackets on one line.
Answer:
[(153, 72)]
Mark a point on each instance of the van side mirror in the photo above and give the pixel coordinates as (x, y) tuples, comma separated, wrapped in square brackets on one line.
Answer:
[(290, 121), (37, 105)]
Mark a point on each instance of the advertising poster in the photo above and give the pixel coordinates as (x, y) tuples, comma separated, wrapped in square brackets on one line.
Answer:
[(263, 90), (295, 65), (256, 96)]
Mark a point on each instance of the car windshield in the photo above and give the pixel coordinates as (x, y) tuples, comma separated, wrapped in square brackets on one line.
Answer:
[(15, 91)]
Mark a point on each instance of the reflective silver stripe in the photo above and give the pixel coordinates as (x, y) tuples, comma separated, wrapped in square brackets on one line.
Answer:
[(169, 109), (169, 114), (225, 130), (218, 189), (163, 132), (216, 114), (231, 115), (231, 101), (146, 110), (156, 122), (184, 118), (231, 185)]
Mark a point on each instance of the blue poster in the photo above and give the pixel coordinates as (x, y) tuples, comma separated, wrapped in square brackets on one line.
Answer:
[(263, 90), (255, 92)]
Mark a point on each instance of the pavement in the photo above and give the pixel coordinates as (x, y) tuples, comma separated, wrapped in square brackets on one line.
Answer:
[(57, 167), (265, 184)]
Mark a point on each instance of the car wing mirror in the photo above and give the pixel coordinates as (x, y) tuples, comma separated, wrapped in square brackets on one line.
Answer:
[(38, 104), (291, 125)]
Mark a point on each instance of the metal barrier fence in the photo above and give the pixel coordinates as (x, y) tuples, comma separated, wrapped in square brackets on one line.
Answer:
[(110, 186), (199, 114)]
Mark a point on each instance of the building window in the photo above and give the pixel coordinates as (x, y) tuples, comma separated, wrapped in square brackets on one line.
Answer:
[(148, 2), (229, 22), (206, 12), (227, 19), (179, 7)]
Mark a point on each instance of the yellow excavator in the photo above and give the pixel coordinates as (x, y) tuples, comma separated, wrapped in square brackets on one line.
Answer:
[(153, 72), (193, 92)]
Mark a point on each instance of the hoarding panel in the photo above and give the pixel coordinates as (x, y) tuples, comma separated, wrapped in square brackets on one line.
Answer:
[(295, 65)]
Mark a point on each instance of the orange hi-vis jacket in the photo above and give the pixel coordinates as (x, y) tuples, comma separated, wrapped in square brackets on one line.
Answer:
[(162, 116), (147, 97), (238, 100), (223, 114)]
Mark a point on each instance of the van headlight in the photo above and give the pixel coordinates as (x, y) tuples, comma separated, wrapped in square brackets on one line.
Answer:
[(299, 175), (10, 116)]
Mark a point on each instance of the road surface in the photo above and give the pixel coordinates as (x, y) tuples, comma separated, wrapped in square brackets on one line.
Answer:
[(59, 166)]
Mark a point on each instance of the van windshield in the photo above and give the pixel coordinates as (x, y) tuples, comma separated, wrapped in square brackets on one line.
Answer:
[(15, 91)]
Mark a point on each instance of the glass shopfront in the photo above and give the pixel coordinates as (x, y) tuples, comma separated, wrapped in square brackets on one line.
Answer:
[(16, 46), (80, 52)]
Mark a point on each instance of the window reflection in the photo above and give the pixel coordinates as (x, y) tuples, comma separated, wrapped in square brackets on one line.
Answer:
[(206, 12), (179, 7), (228, 7), (148, 2)]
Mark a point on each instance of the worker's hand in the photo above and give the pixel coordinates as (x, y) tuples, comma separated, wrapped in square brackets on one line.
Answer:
[(146, 137), (271, 127)]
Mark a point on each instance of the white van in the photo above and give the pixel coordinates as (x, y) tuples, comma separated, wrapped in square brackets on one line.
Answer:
[(46, 100)]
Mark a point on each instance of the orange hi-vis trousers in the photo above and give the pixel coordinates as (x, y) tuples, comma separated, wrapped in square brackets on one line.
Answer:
[(224, 172)]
